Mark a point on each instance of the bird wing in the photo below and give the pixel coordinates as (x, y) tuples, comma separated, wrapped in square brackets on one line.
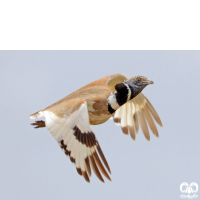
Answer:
[(114, 80), (136, 111), (69, 125)]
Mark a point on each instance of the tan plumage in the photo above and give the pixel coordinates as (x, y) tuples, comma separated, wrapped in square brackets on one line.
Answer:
[(69, 122)]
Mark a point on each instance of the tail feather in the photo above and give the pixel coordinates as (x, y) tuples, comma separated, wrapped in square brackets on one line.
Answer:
[(39, 124), (36, 115)]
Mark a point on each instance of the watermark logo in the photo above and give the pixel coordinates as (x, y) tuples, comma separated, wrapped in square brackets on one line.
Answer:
[(189, 190)]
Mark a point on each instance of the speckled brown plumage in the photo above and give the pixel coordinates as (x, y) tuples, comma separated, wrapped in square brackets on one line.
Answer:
[(69, 119)]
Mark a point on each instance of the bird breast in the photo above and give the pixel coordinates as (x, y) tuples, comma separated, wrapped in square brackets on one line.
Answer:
[(98, 111)]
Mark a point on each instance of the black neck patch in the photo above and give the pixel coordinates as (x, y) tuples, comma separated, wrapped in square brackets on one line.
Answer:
[(122, 93), (110, 109), (132, 93)]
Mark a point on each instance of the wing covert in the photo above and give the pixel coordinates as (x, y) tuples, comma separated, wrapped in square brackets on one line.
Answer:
[(114, 80)]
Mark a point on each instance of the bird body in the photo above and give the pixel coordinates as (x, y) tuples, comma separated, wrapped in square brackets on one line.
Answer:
[(115, 96), (95, 94)]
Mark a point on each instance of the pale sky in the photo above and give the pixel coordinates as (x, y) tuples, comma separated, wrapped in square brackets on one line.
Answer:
[(32, 166)]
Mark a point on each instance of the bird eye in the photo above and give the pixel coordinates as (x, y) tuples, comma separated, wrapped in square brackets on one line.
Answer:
[(138, 79)]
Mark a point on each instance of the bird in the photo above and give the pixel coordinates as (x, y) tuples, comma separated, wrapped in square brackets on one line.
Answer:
[(114, 97)]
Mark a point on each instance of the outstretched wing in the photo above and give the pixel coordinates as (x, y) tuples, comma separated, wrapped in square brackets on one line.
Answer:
[(69, 125), (136, 111)]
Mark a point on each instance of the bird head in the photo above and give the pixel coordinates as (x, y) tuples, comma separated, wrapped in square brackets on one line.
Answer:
[(138, 83)]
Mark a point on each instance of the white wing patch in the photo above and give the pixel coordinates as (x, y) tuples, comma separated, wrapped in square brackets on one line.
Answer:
[(77, 140), (137, 111)]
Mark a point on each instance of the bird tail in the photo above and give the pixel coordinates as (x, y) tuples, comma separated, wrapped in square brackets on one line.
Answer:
[(36, 115), (39, 124)]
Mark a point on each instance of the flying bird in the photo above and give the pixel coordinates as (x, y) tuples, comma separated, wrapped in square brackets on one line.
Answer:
[(69, 120)]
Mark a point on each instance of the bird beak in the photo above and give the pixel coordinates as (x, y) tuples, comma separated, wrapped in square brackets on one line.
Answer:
[(147, 82)]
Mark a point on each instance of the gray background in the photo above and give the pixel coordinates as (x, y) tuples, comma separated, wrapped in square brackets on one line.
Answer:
[(32, 166)]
